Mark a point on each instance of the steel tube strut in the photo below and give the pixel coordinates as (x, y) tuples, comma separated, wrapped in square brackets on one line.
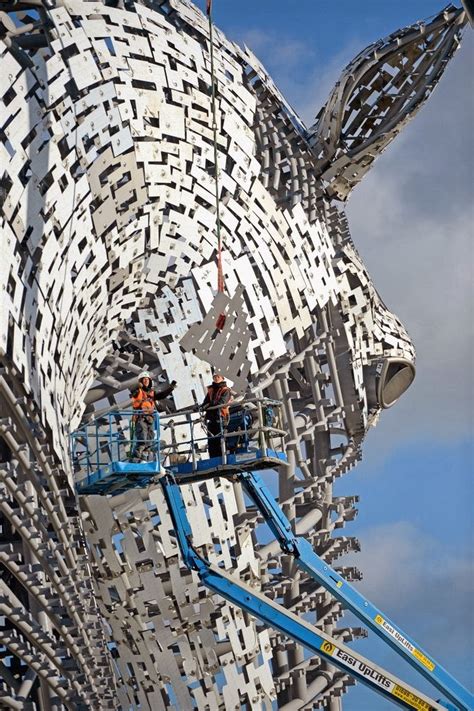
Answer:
[(276, 616)]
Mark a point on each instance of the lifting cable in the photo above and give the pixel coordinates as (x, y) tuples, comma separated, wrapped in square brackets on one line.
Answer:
[(220, 272)]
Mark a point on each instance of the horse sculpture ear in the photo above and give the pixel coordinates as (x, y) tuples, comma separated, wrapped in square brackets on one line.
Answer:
[(377, 94)]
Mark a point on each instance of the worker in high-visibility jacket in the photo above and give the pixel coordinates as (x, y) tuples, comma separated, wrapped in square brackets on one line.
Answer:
[(144, 403), (216, 407)]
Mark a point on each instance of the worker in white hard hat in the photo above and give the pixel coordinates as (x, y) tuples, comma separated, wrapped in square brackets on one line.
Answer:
[(144, 403)]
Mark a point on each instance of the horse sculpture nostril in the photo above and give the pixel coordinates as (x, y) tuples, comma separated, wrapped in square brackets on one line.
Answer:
[(387, 380)]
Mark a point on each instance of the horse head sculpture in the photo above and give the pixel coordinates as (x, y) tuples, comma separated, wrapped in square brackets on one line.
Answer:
[(110, 262)]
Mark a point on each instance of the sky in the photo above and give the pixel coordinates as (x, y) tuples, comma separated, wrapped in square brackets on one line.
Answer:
[(412, 221)]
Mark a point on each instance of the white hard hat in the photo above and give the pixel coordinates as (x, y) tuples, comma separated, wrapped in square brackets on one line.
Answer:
[(145, 374)]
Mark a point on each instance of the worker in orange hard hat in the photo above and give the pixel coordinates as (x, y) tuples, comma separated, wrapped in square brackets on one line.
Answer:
[(144, 403), (216, 409)]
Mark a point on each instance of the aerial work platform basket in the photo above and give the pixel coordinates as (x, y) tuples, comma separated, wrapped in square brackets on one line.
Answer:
[(249, 438), (105, 451)]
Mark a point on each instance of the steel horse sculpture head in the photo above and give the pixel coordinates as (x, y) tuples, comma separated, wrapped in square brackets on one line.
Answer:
[(109, 263)]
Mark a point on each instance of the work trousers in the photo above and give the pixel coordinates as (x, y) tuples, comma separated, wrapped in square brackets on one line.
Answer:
[(214, 430), (144, 435)]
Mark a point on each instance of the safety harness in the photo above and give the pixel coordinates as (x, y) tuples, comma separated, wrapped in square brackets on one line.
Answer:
[(214, 395), (144, 400)]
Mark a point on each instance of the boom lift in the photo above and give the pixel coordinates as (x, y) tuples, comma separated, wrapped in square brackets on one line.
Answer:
[(247, 445)]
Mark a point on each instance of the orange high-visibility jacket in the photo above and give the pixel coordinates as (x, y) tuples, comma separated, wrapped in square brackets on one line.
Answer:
[(144, 400), (218, 396)]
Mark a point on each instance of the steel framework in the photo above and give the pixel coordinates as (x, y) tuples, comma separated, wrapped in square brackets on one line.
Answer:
[(108, 263)]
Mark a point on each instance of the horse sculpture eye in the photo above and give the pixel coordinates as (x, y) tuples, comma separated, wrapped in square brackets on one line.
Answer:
[(396, 379), (387, 380)]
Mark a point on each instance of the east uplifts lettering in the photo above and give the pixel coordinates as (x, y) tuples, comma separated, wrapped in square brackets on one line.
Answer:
[(362, 668)]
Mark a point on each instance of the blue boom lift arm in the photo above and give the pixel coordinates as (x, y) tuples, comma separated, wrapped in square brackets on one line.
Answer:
[(310, 637), (115, 476)]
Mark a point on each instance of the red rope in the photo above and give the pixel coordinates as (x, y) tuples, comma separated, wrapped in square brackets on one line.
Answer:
[(220, 271)]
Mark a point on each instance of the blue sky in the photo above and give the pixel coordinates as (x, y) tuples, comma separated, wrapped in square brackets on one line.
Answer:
[(412, 220)]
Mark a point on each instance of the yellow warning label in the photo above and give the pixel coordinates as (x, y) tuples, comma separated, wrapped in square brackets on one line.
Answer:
[(423, 659), (328, 648), (404, 642), (339, 584), (414, 701)]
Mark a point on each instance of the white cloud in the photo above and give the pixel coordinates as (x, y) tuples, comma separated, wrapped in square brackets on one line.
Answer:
[(290, 50), (420, 584), (296, 67), (310, 95)]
